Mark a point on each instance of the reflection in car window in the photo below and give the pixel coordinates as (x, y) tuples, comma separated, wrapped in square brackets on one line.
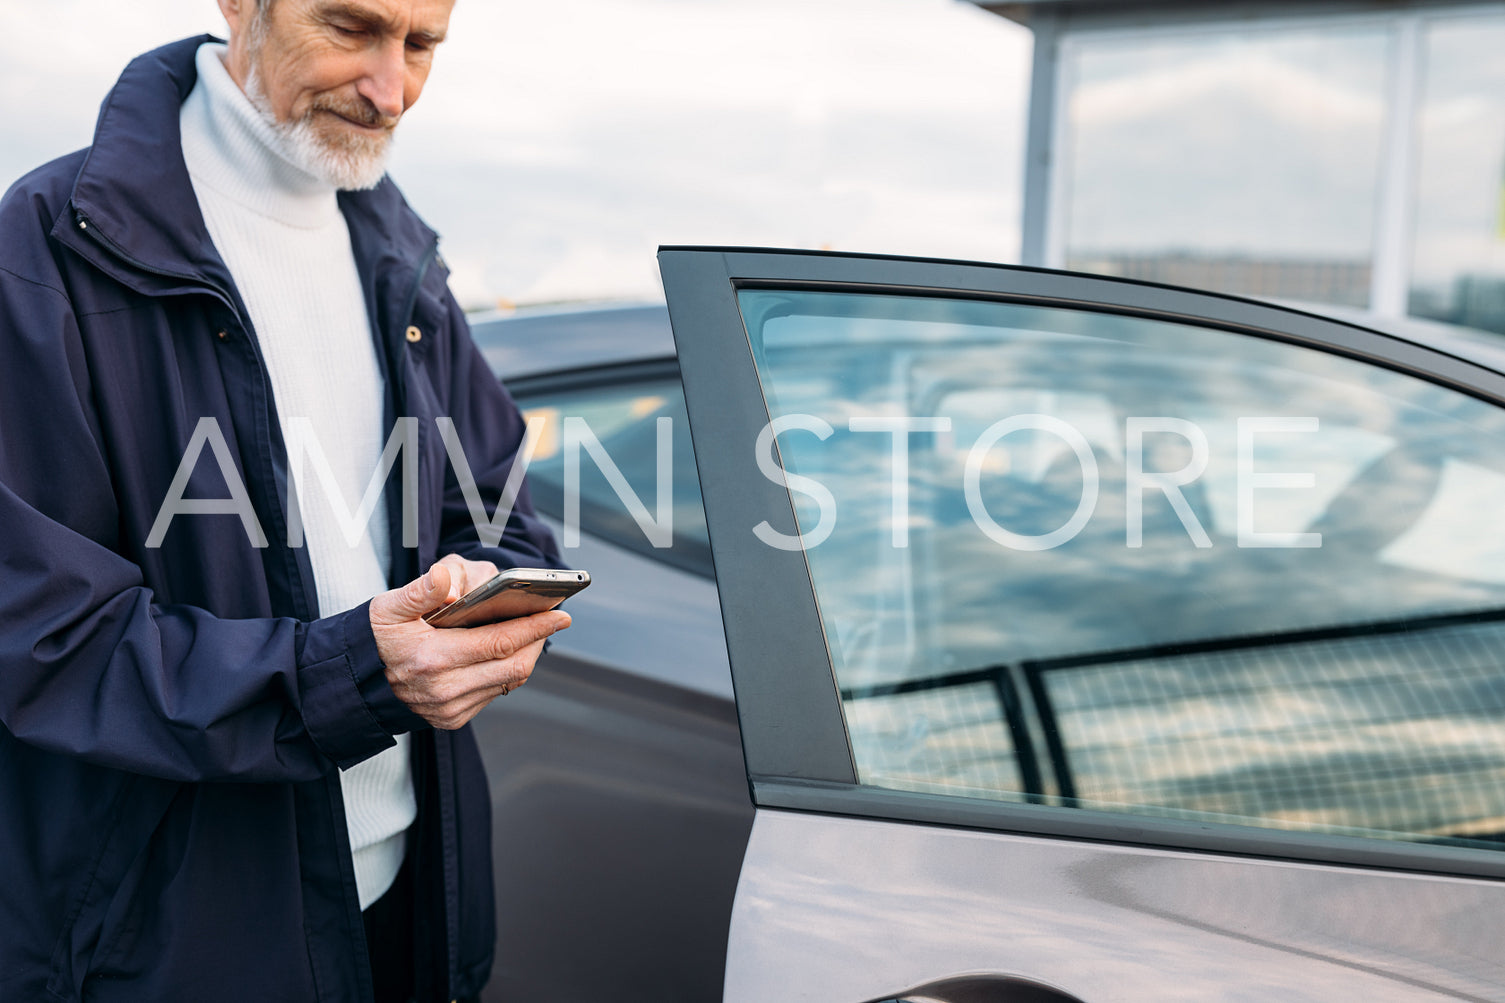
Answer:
[(623, 418), (1146, 566)]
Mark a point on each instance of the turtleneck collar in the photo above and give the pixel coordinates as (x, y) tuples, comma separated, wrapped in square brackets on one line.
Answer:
[(231, 149)]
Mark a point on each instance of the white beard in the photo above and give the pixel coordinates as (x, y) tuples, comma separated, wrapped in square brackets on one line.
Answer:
[(349, 162)]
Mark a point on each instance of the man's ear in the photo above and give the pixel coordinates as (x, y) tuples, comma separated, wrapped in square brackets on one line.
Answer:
[(237, 14)]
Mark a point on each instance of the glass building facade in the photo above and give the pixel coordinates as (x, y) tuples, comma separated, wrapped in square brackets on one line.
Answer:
[(1347, 154)]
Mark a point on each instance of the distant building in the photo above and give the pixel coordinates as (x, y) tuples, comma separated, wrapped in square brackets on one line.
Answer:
[(1478, 301), (1341, 151), (1346, 282)]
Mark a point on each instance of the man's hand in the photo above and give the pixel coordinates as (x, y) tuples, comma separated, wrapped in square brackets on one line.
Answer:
[(446, 676)]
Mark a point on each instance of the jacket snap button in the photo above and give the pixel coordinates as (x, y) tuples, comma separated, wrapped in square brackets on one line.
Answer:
[(414, 335)]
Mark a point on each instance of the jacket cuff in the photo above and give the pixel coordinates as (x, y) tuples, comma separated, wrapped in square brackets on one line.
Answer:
[(349, 709)]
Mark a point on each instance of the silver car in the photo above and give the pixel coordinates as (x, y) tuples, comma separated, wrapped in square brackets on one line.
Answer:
[(1092, 640)]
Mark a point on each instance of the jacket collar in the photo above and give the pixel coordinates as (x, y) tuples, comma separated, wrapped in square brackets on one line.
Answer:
[(135, 193), (133, 187)]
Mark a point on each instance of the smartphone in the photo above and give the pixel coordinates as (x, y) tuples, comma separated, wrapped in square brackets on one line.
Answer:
[(512, 593)]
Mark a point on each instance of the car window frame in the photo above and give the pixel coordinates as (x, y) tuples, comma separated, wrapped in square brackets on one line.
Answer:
[(685, 555), (788, 699)]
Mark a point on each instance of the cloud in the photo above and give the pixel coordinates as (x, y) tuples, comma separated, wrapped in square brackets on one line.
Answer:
[(596, 130), (557, 144), (1276, 89), (59, 59), (1228, 144)]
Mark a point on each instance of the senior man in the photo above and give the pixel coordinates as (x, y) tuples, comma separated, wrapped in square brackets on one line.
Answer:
[(226, 770)]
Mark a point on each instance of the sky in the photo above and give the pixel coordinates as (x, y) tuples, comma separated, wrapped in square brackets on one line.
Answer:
[(1266, 145), (557, 144)]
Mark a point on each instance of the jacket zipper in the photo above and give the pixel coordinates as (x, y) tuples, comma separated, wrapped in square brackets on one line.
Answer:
[(448, 852), (419, 276)]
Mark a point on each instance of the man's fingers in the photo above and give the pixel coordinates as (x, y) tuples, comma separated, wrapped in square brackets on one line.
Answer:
[(503, 640), (446, 675), (467, 693), (496, 641), (414, 599), (459, 579), (466, 574)]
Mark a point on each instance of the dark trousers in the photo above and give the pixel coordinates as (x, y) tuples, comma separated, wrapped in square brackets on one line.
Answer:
[(389, 940)]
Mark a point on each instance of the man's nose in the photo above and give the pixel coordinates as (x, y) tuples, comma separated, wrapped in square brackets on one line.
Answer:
[(385, 79)]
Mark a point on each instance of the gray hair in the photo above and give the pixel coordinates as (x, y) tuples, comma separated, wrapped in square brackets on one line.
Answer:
[(256, 31)]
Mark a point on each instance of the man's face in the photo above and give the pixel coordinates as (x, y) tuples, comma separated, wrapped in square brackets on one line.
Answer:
[(334, 76)]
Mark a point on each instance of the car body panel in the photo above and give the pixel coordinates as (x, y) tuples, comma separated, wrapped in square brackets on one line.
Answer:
[(833, 909), (619, 813)]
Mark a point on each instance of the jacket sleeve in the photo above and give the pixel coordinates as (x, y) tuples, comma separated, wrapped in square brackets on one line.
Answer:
[(490, 429), (92, 665)]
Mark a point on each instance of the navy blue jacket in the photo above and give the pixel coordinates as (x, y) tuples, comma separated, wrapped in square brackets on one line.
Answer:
[(172, 718)]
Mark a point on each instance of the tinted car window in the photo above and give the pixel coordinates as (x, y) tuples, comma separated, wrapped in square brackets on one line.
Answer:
[(1148, 567), (614, 429)]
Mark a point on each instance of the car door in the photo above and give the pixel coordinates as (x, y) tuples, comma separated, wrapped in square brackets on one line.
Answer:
[(619, 802), (1095, 640)]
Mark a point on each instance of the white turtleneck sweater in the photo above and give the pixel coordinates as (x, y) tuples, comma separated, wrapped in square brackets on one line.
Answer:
[(280, 231)]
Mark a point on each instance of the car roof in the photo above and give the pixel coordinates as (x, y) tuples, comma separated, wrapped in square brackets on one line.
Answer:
[(534, 341)]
